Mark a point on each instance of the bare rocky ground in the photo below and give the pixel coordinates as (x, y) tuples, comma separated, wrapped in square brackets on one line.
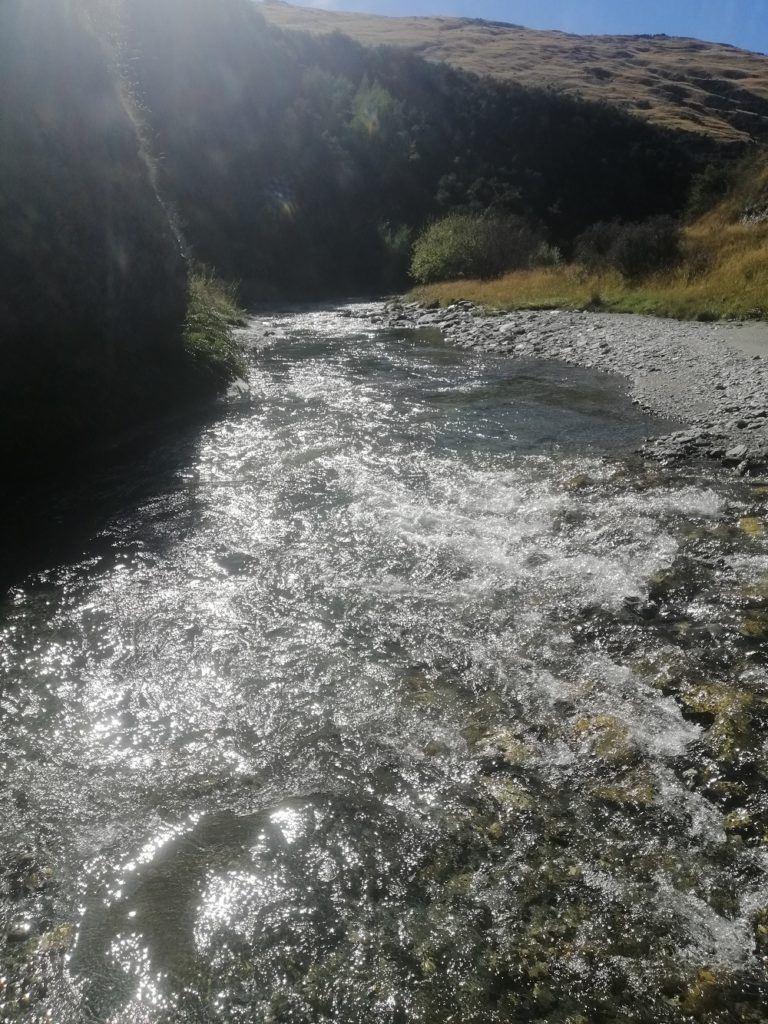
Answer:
[(713, 378)]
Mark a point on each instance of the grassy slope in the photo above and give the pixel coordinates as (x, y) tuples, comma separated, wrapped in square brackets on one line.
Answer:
[(706, 88), (725, 272)]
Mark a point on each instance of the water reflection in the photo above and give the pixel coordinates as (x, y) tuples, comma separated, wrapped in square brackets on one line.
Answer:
[(411, 695)]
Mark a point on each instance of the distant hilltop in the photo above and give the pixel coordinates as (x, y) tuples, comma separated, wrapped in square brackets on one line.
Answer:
[(709, 89)]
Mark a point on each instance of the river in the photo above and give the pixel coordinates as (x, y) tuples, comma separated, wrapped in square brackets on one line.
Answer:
[(399, 691)]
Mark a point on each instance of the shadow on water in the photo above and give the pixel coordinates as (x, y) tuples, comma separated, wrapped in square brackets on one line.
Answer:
[(60, 518)]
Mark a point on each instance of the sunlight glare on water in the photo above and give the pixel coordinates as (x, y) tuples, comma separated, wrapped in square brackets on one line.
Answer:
[(382, 706)]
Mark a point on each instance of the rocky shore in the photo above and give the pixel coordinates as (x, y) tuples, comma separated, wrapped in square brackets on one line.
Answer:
[(712, 378)]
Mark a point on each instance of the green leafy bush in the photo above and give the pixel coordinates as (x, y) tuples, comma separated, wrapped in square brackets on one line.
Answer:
[(464, 245), (547, 255)]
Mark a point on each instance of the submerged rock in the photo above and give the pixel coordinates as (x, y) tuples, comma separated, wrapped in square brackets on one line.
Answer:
[(755, 626), (20, 929), (752, 526)]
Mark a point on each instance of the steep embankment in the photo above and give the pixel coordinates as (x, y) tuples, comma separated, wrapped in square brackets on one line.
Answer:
[(94, 284), (708, 89)]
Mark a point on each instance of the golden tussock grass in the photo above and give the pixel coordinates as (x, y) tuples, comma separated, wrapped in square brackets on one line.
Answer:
[(735, 285), (724, 273)]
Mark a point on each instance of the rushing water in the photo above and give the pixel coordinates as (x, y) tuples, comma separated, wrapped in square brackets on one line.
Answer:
[(406, 693)]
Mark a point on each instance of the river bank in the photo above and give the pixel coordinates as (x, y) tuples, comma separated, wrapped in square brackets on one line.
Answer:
[(713, 378)]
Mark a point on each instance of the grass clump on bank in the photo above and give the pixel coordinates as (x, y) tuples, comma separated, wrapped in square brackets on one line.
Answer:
[(211, 350)]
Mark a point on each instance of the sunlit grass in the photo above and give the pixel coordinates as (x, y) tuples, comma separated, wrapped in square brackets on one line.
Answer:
[(631, 72), (724, 274), (209, 343)]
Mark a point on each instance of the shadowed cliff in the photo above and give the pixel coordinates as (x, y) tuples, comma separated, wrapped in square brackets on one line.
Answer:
[(94, 284)]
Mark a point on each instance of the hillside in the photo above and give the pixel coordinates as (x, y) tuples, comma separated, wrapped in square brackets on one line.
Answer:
[(723, 272), (303, 165), (709, 89)]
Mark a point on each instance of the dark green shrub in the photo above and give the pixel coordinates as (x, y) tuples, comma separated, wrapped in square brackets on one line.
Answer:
[(635, 250), (464, 245), (593, 247), (643, 249), (708, 188), (395, 243)]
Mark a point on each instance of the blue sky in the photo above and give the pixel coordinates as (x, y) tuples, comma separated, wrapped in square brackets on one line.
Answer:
[(742, 22)]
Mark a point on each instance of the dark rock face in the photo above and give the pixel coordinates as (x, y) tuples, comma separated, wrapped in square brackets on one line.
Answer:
[(93, 277)]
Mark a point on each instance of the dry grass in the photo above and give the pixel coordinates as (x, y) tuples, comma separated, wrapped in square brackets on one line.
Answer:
[(703, 88), (724, 273)]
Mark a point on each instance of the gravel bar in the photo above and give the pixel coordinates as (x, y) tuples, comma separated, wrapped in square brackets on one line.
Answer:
[(712, 377)]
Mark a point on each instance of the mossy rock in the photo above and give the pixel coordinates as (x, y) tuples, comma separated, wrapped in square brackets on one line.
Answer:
[(667, 670), (511, 749), (756, 593), (716, 700), (728, 791), (608, 739), (509, 794), (727, 712), (707, 992), (755, 626), (753, 526), (58, 940), (460, 885), (721, 532), (738, 821), (427, 966), (631, 792), (496, 832)]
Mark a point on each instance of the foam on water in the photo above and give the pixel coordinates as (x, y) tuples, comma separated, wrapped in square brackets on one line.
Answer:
[(358, 715)]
